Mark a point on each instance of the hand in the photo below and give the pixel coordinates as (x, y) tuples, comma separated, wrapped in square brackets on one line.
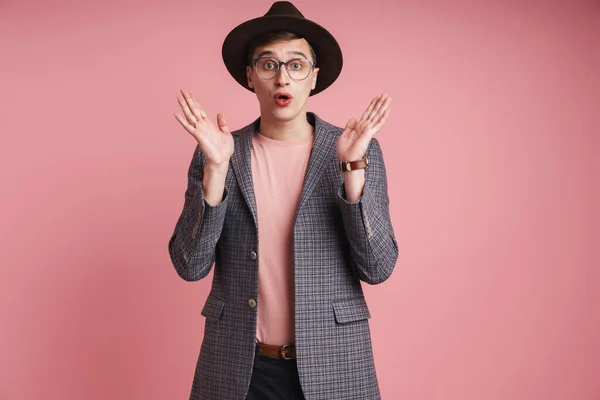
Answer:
[(215, 142), (354, 140)]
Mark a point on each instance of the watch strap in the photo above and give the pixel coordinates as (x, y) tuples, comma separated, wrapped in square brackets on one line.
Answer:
[(347, 166)]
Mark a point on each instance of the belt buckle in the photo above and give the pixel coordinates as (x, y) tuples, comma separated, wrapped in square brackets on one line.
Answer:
[(283, 353)]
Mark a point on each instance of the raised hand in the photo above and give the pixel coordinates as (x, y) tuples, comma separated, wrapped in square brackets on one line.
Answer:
[(215, 141), (354, 140)]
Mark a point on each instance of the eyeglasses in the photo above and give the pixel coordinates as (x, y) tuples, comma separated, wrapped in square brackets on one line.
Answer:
[(298, 68)]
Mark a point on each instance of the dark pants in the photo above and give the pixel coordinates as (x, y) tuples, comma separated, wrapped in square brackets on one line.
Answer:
[(274, 379)]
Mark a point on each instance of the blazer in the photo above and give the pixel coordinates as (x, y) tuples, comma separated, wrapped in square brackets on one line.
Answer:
[(336, 246)]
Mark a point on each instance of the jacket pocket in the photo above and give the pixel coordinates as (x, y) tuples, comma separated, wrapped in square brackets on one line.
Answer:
[(351, 310), (213, 308)]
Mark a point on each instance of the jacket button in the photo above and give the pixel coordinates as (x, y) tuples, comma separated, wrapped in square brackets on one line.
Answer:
[(252, 303), (253, 255)]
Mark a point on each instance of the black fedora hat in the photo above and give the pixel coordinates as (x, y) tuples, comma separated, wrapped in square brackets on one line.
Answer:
[(283, 16)]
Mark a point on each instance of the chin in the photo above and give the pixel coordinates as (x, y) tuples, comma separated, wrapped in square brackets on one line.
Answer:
[(285, 114)]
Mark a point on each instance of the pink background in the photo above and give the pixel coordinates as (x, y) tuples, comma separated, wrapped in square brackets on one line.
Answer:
[(492, 154)]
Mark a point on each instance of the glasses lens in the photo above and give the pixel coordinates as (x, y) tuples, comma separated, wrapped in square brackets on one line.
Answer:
[(267, 68), (299, 68)]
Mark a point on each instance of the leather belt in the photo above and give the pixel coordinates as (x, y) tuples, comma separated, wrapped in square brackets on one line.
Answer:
[(285, 352)]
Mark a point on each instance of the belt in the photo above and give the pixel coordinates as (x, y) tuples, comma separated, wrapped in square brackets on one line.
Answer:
[(285, 352)]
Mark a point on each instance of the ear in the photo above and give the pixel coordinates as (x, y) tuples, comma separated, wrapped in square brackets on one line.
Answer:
[(249, 76), (314, 80)]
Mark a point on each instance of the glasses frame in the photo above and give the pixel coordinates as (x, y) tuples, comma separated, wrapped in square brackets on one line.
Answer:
[(280, 63)]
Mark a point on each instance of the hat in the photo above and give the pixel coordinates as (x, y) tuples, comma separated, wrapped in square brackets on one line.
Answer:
[(283, 16)]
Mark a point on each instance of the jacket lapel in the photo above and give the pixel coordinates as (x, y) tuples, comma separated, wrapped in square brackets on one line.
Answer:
[(242, 166), (320, 159)]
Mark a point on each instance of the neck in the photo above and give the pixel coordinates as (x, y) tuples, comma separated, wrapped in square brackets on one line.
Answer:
[(297, 128)]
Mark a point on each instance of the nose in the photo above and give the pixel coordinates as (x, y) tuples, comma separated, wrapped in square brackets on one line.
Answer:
[(282, 78)]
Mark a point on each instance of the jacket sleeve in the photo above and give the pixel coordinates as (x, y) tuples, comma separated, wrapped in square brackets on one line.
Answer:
[(193, 243), (373, 246)]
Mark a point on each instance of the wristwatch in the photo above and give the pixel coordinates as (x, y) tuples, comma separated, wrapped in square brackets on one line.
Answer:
[(347, 166)]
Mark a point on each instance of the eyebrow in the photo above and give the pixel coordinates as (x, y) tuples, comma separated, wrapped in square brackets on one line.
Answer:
[(270, 53)]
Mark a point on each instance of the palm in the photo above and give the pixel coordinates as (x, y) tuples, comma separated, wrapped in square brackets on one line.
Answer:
[(354, 140), (215, 141), (217, 146)]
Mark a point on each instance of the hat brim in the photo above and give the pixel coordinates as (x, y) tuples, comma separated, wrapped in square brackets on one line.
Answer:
[(326, 48)]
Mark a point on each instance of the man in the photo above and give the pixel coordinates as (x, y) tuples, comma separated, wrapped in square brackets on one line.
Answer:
[(293, 213)]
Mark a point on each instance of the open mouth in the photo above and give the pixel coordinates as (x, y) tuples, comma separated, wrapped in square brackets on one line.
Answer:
[(283, 97)]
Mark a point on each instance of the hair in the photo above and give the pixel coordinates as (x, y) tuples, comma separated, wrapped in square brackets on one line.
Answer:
[(273, 37)]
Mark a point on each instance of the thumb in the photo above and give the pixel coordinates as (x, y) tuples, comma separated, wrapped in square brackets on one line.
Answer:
[(222, 123)]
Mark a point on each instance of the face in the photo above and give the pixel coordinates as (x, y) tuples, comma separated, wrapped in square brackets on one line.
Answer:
[(268, 91)]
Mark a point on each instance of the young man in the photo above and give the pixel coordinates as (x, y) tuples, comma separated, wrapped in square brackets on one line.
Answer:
[(293, 213)]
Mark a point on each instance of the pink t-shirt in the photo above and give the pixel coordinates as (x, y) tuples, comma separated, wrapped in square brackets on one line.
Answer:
[(278, 170)]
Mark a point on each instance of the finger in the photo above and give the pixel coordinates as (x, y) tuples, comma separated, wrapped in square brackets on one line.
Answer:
[(222, 123), (377, 126), (186, 109), (188, 99), (195, 110), (381, 109), (199, 113), (369, 109), (381, 104), (182, 120), (350, 125)]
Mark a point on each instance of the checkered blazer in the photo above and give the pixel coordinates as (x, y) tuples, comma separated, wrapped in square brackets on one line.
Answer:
[(336, 245)]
